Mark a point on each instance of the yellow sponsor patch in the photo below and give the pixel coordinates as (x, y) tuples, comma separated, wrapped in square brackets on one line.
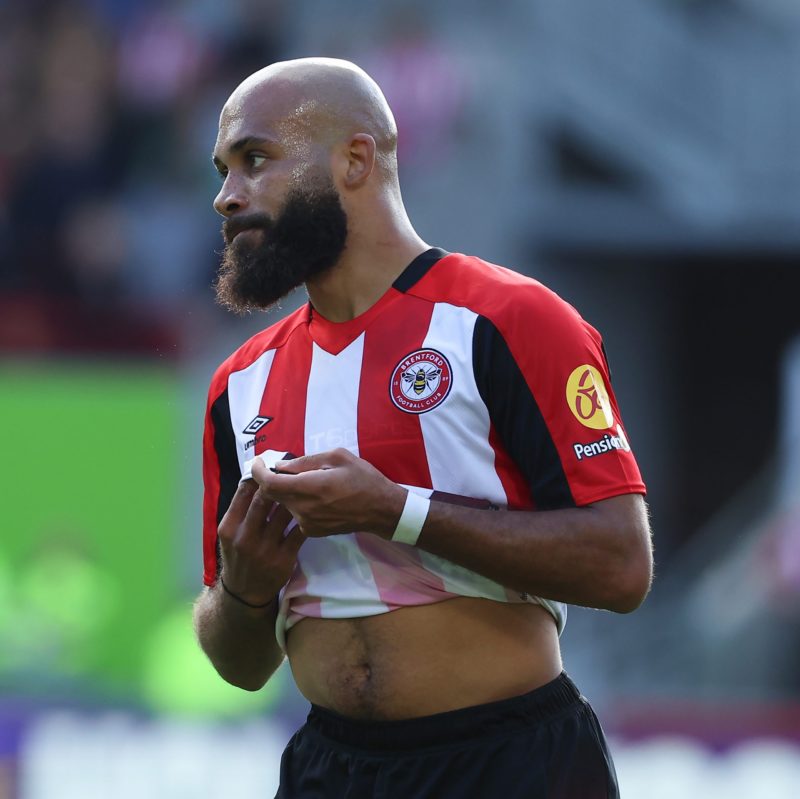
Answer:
[(588, 399)]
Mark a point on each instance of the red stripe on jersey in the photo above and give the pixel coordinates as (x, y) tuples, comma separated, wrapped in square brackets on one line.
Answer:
[(333, 337), (382, 426), (210, 501), (291, 366), (212, 477), (272, 338), (518, 493)]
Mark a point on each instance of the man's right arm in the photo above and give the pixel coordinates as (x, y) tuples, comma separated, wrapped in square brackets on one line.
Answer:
[(239, 641), (236, 627)]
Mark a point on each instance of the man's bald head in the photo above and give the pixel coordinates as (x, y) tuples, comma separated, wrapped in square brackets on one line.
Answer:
[(316, 101), (307, 152)]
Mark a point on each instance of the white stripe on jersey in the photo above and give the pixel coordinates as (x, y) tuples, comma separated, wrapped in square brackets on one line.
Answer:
[(332, 399), (245, 390), (331, 564), (457, 433)]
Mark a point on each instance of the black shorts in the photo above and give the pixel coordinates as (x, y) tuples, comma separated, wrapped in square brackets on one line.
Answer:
[(546, 744)]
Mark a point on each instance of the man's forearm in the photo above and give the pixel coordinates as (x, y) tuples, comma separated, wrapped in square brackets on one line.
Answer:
[(239, 641), (597, 556)]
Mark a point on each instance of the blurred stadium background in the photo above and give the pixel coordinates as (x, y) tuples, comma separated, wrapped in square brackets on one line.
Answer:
[(641, 157)]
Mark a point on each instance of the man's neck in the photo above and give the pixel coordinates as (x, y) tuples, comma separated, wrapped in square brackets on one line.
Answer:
[(363, 275)]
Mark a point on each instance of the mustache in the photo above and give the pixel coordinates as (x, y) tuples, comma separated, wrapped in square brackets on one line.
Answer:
[(235, 225)]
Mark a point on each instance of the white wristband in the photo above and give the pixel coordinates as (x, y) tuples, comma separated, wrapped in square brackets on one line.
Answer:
[(415, 511)]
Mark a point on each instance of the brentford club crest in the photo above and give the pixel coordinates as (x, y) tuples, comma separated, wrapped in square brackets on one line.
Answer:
[(421, 381)]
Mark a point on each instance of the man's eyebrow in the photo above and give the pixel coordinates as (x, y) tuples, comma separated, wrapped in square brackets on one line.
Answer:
[(243, 144)]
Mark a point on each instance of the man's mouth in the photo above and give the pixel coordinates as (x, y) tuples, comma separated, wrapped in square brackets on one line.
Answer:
[(232, 228), (245, 230)]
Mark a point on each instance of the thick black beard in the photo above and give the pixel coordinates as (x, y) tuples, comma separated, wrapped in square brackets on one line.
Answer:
[(305, 239)]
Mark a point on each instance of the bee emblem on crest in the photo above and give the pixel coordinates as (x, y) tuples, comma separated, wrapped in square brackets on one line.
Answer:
[(420, 379)]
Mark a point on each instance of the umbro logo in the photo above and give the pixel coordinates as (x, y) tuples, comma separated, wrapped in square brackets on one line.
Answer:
[(256, 425)]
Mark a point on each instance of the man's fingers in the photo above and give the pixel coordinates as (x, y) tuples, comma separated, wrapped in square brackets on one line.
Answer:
[(279, 517), (260, 508), (262, 472), (266, 514), (241, 501), (286, 488), (295, 539), (305, 463), (308, 463)]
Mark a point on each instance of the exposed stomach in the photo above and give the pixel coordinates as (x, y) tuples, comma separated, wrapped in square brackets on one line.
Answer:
[(426, 659)]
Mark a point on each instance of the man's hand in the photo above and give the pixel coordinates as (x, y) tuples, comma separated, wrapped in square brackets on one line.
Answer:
[(257, 558), (333, 492)]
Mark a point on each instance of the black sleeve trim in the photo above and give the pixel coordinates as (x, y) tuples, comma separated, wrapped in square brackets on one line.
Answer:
[(418, 268), (517, 418), (225, 447), (605, 358)]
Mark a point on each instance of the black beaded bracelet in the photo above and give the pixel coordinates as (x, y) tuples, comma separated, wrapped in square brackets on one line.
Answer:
[(243, 601)]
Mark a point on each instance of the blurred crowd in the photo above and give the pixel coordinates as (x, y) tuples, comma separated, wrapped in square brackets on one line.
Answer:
[(107, 117), (108, 113)]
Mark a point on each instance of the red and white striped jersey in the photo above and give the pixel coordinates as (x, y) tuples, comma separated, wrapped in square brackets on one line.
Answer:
[(464, 378)]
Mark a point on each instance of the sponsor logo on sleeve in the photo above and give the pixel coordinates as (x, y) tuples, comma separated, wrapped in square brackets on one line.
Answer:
[(421, 381), (587, 398), (608, 443)]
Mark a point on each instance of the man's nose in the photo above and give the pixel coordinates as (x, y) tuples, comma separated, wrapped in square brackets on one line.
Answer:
[(231, 197)]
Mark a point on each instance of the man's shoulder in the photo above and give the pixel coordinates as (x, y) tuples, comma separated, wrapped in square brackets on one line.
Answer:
[(490, 290), (269, 339)]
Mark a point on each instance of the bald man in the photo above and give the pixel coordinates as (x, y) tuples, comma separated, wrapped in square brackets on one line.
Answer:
[(463, 472)]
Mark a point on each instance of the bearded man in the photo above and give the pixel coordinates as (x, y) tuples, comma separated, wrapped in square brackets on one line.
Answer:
[(407, 479)]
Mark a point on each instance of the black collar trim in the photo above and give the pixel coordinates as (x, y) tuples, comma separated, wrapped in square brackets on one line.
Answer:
[(418, 268)]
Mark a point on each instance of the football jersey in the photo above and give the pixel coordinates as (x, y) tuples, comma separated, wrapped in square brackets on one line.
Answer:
[(463, 378)]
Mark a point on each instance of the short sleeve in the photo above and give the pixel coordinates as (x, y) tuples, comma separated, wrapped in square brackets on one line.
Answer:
[(542, 373), (221, 473)]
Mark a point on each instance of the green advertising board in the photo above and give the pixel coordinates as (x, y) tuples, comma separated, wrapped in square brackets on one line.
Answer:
[(90, 604)]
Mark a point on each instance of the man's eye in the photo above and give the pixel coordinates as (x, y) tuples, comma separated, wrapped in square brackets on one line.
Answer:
[(256, 160)]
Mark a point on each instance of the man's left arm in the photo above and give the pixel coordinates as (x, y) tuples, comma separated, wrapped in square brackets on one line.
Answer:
[(597, 555)]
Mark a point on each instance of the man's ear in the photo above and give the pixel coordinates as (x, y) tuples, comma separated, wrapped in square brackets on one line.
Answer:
[(358, 160)]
